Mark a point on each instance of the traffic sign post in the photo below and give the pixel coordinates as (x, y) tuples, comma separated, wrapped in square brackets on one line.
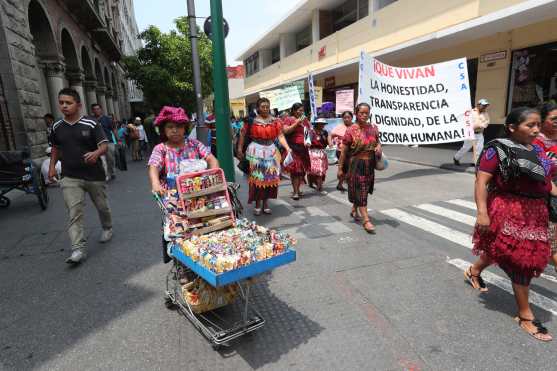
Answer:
[(220, 87)]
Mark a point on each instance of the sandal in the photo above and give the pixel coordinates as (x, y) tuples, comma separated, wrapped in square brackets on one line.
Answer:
[(267, 211), (354, 215), (368, 230), (295, 197), (478, 284), (257, 211), (341, 188), (538, 333)]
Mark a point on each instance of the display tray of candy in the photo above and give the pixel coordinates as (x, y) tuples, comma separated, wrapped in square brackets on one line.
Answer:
[(234, 254), (204, 194), (201, 183)]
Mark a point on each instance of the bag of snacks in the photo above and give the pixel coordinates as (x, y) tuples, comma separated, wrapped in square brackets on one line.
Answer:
[(203, 297)]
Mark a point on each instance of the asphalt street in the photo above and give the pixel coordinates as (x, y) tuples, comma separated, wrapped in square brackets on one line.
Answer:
[(352, 301)]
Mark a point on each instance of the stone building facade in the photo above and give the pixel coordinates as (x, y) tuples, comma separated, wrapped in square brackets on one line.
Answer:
[(46, 45)]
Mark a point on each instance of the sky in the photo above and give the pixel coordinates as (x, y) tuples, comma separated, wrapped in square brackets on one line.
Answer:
[(248, 19)]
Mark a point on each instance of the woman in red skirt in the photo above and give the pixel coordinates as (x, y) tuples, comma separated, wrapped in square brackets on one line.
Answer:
[(317, 155), (362, 148), (294, 128), (512, 185)]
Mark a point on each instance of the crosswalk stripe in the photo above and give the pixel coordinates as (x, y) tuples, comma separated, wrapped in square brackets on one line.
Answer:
[(462, 239), (505, 284), (437, 229), (448, 213), (463, 203)]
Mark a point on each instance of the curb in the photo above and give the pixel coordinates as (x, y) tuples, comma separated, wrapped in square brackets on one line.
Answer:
[(448, 167)]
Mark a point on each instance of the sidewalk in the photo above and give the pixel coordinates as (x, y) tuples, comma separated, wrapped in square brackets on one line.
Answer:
[(440, 156)]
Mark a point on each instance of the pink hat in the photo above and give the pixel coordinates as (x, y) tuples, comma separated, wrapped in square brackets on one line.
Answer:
[(172, 114)]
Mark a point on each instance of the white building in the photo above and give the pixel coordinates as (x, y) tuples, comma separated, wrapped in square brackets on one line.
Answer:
[(130, 43)]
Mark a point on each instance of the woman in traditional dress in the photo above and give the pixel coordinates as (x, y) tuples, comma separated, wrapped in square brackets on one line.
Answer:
[(513, 182), (295, 128), (337, 134), (547, 139), (317, 155), (263, 156), (361, 145)]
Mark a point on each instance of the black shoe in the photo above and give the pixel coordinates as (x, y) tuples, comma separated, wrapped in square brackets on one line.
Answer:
[(456, 162)]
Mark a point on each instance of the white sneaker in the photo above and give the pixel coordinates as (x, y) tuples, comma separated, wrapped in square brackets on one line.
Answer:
[(106, 235), (77, 257)]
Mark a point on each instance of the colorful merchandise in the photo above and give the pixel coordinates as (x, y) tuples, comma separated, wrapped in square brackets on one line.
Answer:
[(236, 247), (189, 185)]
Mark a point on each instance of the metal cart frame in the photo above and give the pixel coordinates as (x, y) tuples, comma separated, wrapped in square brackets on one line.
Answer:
[(212, 324)]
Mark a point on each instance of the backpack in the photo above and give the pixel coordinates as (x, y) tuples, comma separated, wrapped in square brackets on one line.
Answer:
[(133, 133)]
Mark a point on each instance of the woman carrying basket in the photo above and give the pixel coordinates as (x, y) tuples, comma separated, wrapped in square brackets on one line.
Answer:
[(361, 144)]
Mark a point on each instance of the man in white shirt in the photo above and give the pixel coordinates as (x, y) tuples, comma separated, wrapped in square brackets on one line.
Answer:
[(480, 121)]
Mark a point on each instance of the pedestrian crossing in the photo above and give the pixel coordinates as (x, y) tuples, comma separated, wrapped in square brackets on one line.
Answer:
[(420, 217)]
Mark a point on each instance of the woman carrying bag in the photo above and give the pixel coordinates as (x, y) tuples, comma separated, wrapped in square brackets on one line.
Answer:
[(361, 145)]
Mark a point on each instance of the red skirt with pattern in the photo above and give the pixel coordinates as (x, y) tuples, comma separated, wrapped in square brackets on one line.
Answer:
[(301, 163), (517, 239)]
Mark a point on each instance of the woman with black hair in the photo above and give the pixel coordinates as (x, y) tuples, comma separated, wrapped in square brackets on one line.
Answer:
[(262, 155), (336, 137), (513, 182), (295, 128), (547, 139), (361, 148)]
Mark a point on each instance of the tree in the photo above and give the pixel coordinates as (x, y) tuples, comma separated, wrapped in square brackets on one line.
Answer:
[(163, 67)]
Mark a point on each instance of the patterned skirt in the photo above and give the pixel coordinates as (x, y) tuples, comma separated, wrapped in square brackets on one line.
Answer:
[(301, 163), (361, 180), (517, 239), (319, 163), (264, 171)]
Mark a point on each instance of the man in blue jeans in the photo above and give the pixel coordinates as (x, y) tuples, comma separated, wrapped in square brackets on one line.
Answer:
[(79, 143)]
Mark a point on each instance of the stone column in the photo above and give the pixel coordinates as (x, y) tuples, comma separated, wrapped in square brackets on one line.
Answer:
[(116, 105), (101, 98), (76, 83), (55, 83), (91, 95), (109, 103)]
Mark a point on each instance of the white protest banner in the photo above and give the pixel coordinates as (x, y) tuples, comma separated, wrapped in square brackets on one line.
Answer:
[(417, 105), (312, 98), (344, 101), (318, 96), (282, 99)]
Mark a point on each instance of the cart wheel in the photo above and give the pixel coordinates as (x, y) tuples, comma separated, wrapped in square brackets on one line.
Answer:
[(42, 192), (4, 201), (168, 303)]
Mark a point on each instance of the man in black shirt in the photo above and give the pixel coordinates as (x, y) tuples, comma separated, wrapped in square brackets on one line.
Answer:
[(81, 142)]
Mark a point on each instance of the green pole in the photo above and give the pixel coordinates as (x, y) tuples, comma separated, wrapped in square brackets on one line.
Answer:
[(220, 87)]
